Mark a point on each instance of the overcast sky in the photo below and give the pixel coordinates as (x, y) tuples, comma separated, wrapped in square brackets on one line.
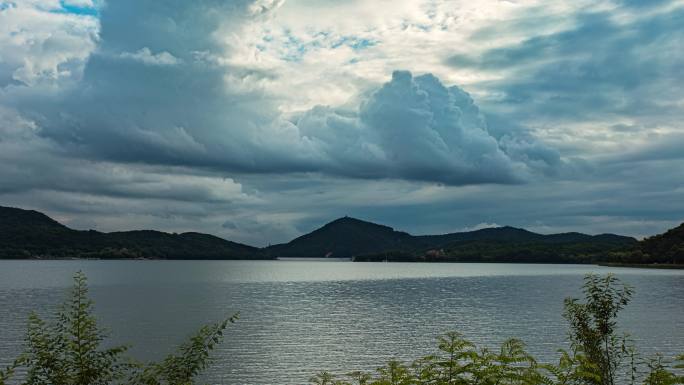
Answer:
[(260, 120)]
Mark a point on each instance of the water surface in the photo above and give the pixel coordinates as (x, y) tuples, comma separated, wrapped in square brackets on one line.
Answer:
[(300, 317)]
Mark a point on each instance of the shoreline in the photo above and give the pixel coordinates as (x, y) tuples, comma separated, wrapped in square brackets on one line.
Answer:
[(666, 266), (663, 266)]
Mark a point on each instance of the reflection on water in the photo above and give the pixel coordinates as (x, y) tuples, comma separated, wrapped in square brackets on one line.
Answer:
[(301, 317)]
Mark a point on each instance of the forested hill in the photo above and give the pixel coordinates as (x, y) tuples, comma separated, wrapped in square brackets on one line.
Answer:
[(366, 241), (344, 237), (30, 234), (668, 246), (662, 248)]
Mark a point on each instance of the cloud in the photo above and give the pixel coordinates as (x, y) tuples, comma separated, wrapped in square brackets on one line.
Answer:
[(43, 47), (145, 56), (264, 7), (410, 128), (199, 115), (608, 63), (418, 129), (259, 120), (29, 162), (481, 226)]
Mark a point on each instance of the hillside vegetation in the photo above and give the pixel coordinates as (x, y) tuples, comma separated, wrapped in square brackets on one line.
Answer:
[(366, 241), (666, 248), (30, 234)]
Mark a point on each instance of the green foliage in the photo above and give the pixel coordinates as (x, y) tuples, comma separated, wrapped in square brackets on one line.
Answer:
[(366, 241), (662, 248), (457, 362), (8, 372), (599, 355), (69, 351), (660, 375), (593, 324), (192, 358), (541, 249)]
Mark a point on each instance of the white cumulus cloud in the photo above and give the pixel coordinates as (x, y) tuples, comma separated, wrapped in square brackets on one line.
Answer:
[(144, 55)]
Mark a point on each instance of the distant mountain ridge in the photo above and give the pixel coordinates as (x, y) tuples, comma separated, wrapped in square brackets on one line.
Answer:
[(28, 234), (31, 234), (508, 233), (367, 241)]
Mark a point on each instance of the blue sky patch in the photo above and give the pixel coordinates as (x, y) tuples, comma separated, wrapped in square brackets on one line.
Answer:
[(86, 11)]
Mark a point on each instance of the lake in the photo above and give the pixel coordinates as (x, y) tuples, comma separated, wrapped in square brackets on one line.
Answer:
[(301, 317)]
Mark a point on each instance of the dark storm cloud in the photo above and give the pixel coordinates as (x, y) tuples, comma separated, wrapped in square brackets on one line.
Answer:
[(154, 92), (160, 130), (148, 133), (416, 128), (160, 105), (149, 94)]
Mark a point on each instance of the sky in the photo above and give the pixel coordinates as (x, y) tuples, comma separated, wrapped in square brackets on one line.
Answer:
[(260, 120)]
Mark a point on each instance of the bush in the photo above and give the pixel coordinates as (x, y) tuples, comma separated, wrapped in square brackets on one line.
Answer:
[(69, 351), (598, 354)]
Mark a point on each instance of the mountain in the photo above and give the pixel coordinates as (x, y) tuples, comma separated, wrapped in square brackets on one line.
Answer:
[(366, 241), (30, 234), (343, 237)]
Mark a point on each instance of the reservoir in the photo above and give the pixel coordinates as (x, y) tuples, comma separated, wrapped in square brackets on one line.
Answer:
[(300, 317)]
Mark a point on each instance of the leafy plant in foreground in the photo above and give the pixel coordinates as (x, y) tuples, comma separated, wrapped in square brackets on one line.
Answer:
[(593, 326), (597, 356), (190, 360), (69, 351)]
